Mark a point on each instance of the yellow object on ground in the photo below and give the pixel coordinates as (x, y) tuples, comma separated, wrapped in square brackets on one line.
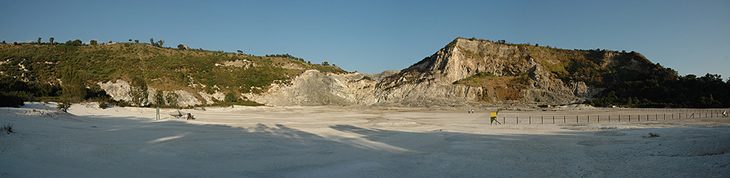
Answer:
[(493, 118)]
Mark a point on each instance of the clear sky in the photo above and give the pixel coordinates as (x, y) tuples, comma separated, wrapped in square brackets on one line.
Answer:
[(371, 36)]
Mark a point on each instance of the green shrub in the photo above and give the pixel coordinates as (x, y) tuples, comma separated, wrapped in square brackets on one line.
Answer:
[(230, 97), (10, 100), (76, 42), (171, 99), (103, 104), (159, 98), (63, 105)]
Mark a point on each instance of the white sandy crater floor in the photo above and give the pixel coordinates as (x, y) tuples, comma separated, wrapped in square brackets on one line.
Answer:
[(352, 142)]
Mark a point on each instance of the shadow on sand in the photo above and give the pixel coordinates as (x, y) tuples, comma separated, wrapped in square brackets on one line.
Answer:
[(128, 146)]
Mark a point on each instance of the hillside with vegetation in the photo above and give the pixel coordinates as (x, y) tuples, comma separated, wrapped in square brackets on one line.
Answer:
[(629, 79), (72, 70), (504, 73), (464, 72)]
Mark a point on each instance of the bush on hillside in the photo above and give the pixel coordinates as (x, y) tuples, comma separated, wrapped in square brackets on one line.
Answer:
[(667, 90), (10, 100), (171, 99), (230, 97), (64, 105), (76, 42)]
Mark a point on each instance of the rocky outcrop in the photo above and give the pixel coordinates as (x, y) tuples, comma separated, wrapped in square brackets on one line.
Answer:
[(316, 88), (309, 88), (209, 98), (120, 90)]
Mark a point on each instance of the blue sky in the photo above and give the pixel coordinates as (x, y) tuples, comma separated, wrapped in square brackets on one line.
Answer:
[(372, 36)]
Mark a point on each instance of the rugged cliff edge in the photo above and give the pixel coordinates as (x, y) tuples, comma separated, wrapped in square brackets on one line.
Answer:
[(470, 72)]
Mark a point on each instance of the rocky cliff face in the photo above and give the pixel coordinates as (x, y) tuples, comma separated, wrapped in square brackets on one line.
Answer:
[(436, 75), (546, 75)]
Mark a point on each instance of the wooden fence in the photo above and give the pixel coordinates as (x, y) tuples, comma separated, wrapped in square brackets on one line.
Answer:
[(612, 116)]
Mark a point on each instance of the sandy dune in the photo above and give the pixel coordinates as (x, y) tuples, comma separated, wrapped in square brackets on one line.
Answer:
[(348, 142)]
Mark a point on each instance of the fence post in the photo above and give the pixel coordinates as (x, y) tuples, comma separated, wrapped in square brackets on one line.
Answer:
[(576, 119), (553, 119), (503, 120), (529, 119), (157, 114), (518, 120), (563, 119), (542, 119), (589, 118)]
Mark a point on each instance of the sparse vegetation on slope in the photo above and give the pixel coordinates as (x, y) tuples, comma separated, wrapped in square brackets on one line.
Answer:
[(666, 90), (506, 87)]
